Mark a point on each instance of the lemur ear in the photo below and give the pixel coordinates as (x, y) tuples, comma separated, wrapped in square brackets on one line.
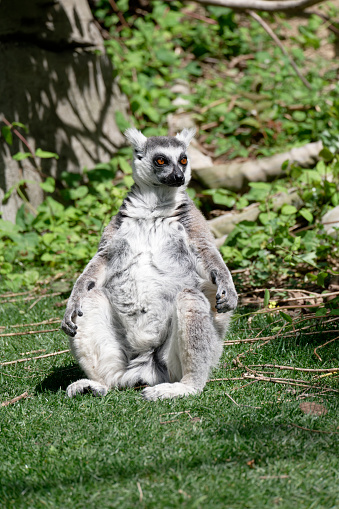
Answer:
[(136, 139), (186, 135)]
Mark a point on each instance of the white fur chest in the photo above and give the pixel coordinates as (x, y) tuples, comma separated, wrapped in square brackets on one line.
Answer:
[(150, 263)]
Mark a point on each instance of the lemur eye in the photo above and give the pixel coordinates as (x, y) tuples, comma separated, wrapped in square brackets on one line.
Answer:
[(183, 160), (161, 160)]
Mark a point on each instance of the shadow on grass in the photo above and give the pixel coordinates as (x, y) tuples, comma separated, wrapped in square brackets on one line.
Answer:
[(60, 378)]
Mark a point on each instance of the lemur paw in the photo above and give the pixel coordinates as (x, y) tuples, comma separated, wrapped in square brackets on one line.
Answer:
[(168, 391), (68, 325), (226, 299)]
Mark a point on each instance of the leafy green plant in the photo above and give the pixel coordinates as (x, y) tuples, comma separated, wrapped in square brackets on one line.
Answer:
[(288, 241), (62, 234)]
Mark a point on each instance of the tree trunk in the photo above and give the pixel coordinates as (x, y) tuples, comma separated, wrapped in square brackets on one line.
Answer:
[(53, 80)]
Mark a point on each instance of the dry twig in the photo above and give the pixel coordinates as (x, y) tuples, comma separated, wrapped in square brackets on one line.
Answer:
[(276, 39), (230, 397), (14, 400), (321, 346), (54, 294), (292, 368), (8, 334), (44, 322), (33, 351), (313, 430), (16, 361)]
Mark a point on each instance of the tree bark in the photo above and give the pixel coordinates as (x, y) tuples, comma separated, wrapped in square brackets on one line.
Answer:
[(54, 80)]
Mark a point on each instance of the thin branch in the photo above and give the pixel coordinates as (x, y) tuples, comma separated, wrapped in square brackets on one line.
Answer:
[(327, 342), (282, 336), (278, 290), (313, 430), (14, 400), (230, 397), (323, 16), (279, 44), (118, 13), (262, 5), (33, 358), (44, 322), (8, 334), (292, 368), (4, 295), (282, 381), (34, 297), (33, 351), (22, 138)]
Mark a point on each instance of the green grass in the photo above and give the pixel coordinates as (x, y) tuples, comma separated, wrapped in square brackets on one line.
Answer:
[(94, 453)]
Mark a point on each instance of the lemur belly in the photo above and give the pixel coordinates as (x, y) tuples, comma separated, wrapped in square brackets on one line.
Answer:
[(151, 263)]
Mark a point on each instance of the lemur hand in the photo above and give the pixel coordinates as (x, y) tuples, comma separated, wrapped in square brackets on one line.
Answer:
[(68, 325), (226, 298)]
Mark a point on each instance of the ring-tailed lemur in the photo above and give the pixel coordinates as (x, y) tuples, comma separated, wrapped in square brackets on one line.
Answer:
[(153, 305)]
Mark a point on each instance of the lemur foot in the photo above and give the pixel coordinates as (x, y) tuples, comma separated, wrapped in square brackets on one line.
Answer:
[(167, 390), (85, 385)]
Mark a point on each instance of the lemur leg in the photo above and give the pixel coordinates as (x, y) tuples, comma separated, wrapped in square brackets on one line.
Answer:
[(96, 346), (195, 347)]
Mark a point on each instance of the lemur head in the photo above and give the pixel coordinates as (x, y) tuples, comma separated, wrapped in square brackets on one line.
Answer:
[(161, 160)]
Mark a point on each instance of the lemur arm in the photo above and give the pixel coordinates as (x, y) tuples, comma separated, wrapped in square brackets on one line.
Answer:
[(94, 271), (209, 260)]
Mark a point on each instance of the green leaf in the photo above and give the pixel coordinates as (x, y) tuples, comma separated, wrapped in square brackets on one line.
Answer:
[(126, 168), (326, 154), (7, 134), (306, 214), (121, 121), (288, 209), (165, 56), (321, 278), (31, 277), (19, 124), (20, 156), (266, 217), (222, 199), (49, 185), (285, 316), (285, 165), (79, 192), (45, 155), (321, 312), (266, 298)]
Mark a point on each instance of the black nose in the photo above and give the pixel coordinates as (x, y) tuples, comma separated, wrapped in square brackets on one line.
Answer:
[(176, 178)]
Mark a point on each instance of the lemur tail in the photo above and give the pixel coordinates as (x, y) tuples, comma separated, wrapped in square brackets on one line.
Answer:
[(144, 369)]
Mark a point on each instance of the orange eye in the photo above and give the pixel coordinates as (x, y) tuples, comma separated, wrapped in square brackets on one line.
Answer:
[(183, 160), (161, 160)]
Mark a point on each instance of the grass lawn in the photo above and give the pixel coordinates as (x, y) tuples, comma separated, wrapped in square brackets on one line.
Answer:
[(205, 451)]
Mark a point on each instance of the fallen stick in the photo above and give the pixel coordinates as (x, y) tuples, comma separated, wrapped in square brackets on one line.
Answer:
[(254, 340), (34, 297), (5, 295), (44, 322), (33, 351), (278, 42), (8, 334), (287, 382), (14, 400), (313, 430), (292, 368), (33, 358), (321, 346)]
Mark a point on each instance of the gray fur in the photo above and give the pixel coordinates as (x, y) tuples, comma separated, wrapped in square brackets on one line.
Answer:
[(153, 305)]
